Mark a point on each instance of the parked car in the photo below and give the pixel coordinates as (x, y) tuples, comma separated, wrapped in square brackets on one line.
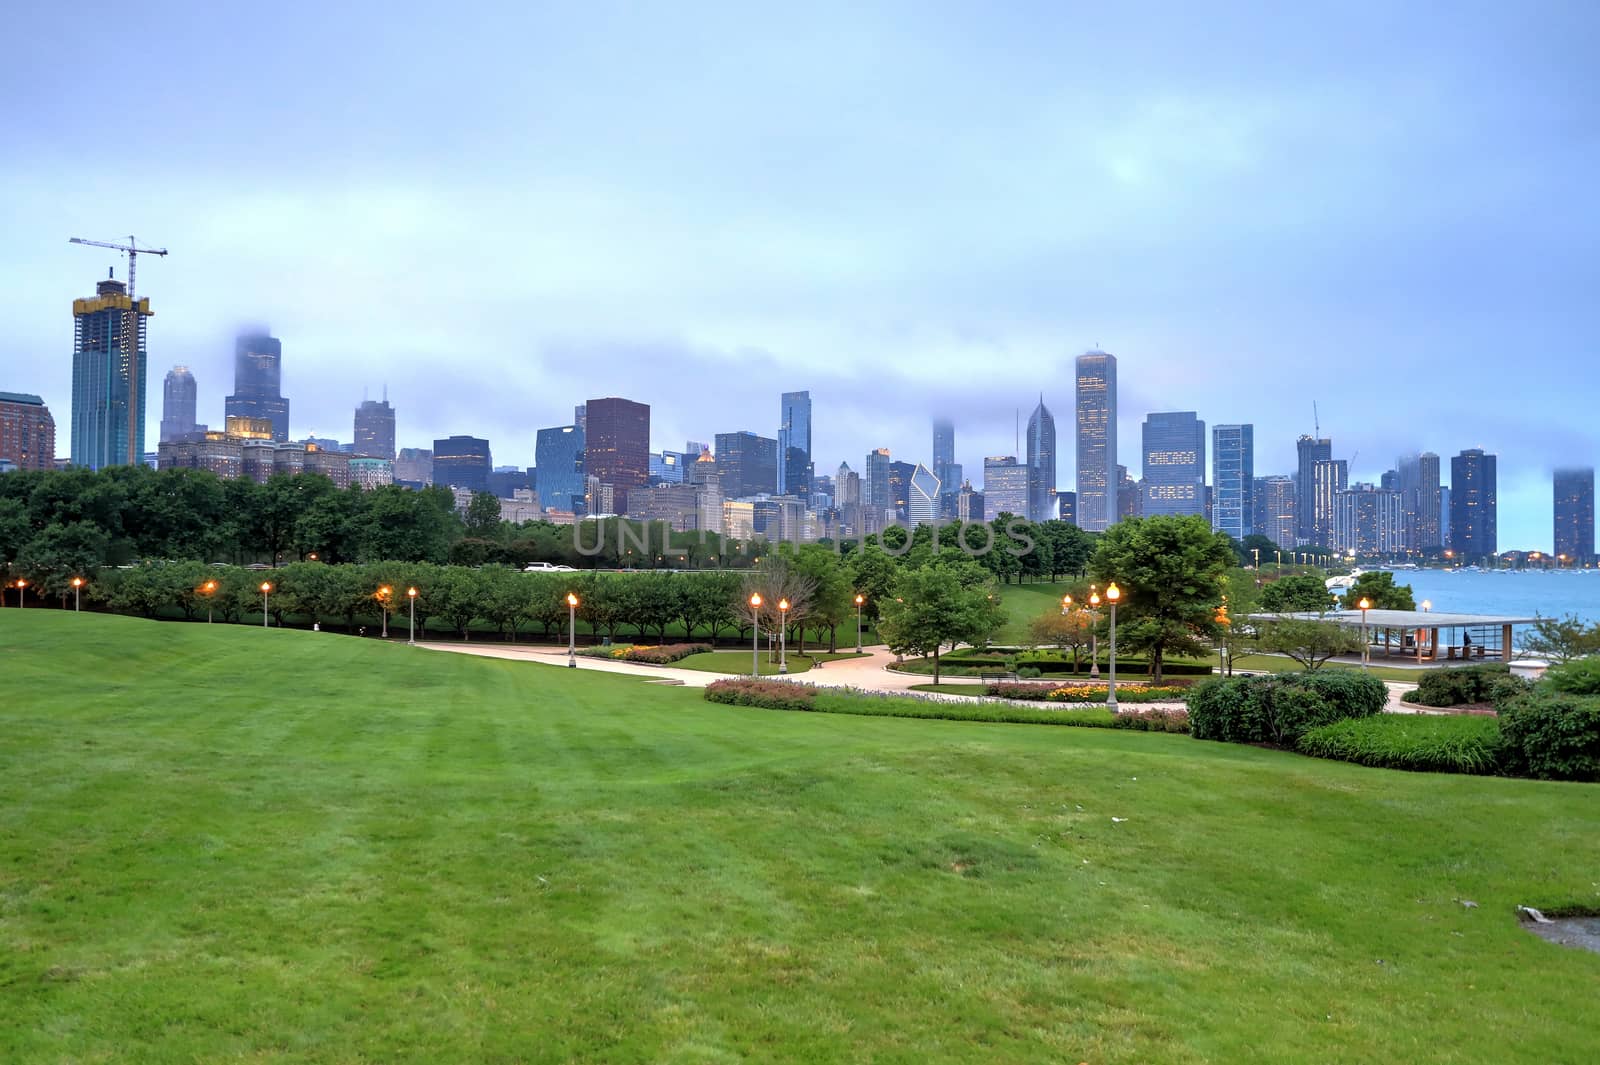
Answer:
[(546, 567)]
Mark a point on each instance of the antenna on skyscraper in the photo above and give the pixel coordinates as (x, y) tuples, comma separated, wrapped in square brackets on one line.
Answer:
[(1016, 432), (1316, 421)]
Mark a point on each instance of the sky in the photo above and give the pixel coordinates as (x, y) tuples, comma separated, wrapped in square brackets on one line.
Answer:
[(498, 210)]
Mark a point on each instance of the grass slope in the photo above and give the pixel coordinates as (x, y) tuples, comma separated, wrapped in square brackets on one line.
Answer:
[(236, 844)]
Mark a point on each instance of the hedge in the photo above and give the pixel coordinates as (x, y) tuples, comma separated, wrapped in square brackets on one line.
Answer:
[(1459, 685), (1551, 735), (1451, 743), (1087, 693), (767, 694), (1278, 708)]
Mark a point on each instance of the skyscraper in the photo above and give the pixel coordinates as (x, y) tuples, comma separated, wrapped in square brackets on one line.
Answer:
[(794, 444), (258, 381), (1311, 451), (1367, 521), (178, 394), (1233, 479), (875, 483), (580, 417), (900, 488), (558, 460), (108, 377), (1418, 484), (1574, 516), (1473, 524), (414, 466), (1041, 463), (462, 462), (1174, 464), (1005, 486), (747, 464), (1329, 477), (616, 440), (27, 432), (944, 452), (1097, 441), (374, 428), (1275, 511), (923, 490)]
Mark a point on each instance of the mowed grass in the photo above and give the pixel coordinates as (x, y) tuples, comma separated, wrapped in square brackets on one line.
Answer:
[(225, 843)]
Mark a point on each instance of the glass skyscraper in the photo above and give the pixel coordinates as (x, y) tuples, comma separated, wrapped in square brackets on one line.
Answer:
[(747, 464), (258, 383), (1041, 464), (108, 377), (558, 462), (1574, 516), (178, 396), (1005, 486), (1233, 479), (1174, 475), (374, 429), (922, 505), (462, 462), (1473, 502), (1417, 481), (1097, 441), (1311, 451), (794, 444), (616, 438)]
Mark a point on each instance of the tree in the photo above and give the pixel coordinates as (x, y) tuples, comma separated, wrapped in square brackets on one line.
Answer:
[(483, 516), (1310, 643), (1171, 572), (1562, 639), (1378, 588), (931, 607), (1054, 629), (1295, 594), (872, 572), (61, 552)]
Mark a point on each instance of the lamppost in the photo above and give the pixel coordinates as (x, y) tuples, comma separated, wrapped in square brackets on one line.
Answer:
[(266, 590), (22, 594), (1066, 604), (755, 634), (1094, 633), (1256, 551), (859, 600), (572, 631), (77, 587), (783, 635), (411, 595), (1427, 605), (209, 589), (1113, 593), (383, 596), (1366, 645)]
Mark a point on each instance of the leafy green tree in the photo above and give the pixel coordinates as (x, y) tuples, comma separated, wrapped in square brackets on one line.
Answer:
[(1063, 631), (1310, 643), (1562, 639), (483, 516), (51, 559), (1379, 588), (931, 607), (1295, 594), (1171, 572), (872, 572)]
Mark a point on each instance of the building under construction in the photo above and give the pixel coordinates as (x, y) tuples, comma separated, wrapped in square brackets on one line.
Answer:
[(108, 377)]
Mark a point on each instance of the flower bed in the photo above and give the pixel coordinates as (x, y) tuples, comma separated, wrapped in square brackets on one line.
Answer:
[(662, 655), (769, 694), (1086, 693)]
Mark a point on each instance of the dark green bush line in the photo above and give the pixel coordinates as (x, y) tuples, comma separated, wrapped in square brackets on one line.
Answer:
[(1278, 708), (1551, 735), (1459, 685), (1419, 742)]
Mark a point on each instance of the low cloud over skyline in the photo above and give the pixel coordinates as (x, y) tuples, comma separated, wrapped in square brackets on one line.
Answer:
[(912, 211)]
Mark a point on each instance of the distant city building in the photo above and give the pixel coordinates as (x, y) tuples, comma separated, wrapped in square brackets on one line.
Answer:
[(1041, 461), (970, 505), (1097, 441), (109, 353), (1233, 479), (616, 439), (794, 444), (1174, 464), (944, 454), (1444, 517), (1417, 481), (334, 465), (1275, 515), (506, 481), (1129, 497), (414, 465), (668, 467), (462, 462), (875, 496), (1329, 477), (523, 506), (599, 497), (1005, 486), (369, 472), (258, 382), (900, 488), (580, 417), (178, 400), (1067, 507), (923, 504), (27, 432), (676, 504), (747, 464), (558, 462), (1367, 521), (374, 429), (1473, 502), (1574, 515), (1311, 451)]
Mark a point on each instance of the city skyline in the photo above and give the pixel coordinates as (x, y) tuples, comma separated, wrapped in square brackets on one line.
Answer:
[(1209, 216)]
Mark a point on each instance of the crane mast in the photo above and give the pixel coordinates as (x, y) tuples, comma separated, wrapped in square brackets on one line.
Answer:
[(130, 333)]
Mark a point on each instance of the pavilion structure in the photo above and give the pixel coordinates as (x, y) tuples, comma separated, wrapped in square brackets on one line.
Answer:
[(1421, 635)]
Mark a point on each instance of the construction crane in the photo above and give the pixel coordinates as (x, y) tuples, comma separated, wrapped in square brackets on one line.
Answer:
[(130, 334)]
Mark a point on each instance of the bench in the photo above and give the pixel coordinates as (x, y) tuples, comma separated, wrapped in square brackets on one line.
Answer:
[(997, 678)]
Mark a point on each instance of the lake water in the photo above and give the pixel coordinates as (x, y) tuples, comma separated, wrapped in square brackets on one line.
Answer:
[(1508, 593)]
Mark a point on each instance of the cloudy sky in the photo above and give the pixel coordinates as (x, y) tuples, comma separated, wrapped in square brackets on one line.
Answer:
[(499, 210)]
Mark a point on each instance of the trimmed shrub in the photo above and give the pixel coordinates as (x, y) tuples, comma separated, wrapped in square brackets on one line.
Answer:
[(1280, 707), (1458, 685), (660, 656), (1152, 720), (767, 694), (1551, 735), (1581, 676), (1030, 672), (1420, 742), (1086, 693)]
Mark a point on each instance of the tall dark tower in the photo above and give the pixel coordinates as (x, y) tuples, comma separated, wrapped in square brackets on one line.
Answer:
[(374, 428), (257, 382), (178, 395), (617, 445), (108, 378)]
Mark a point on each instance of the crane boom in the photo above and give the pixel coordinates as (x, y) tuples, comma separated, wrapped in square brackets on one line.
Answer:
[(130, 333)]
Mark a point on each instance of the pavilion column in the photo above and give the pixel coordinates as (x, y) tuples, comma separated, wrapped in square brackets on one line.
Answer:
[(1505, 643), (1433, 644)]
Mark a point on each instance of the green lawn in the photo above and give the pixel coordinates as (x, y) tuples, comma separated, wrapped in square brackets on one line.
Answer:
[(230, 844)]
